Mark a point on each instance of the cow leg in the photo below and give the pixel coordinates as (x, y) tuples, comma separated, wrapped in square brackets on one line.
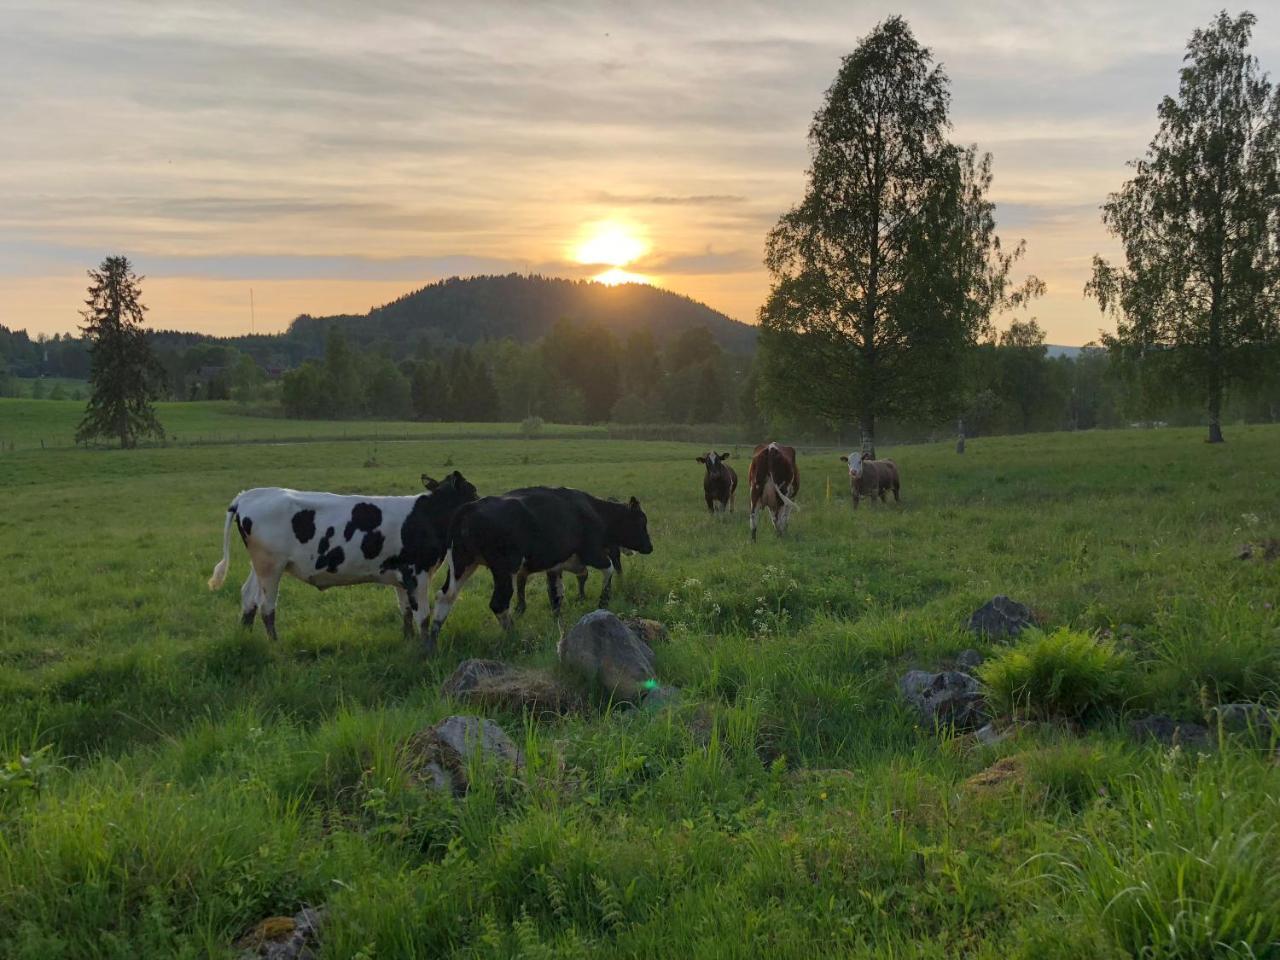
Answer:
[(406, 611), (896, 498), (555, 594), (500, 601), (582, 585), (419, 612), (614, 568), (270, 582), (522, 577), (711, 503), (448, 596), (755, 509), (249, 594)]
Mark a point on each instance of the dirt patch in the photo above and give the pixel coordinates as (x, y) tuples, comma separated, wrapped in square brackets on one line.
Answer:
[(1005, 770)]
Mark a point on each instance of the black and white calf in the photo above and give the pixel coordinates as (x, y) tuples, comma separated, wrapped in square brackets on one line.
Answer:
[(332, 540), (535, 530)]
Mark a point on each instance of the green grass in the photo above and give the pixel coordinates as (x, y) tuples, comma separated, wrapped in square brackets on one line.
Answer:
[(27, 424), (196, 778), (1059, 674)]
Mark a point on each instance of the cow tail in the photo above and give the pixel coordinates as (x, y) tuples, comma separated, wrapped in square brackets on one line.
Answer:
[(220, 571)]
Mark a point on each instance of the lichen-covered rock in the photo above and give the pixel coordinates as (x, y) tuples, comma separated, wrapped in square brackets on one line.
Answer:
[(1247, 718), (949, 697), (1001, 617), (284, 938), (602, 650), (454, 742)]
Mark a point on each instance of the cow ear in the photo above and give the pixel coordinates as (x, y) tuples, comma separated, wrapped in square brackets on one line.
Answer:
[(634, 504), (724, 456), (702, 459), (429, 483), (845, 459)]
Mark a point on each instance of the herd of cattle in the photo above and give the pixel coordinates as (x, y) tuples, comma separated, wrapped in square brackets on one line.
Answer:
[(331, 540)]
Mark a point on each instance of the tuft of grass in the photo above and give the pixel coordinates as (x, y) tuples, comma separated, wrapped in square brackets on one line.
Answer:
[(1063, 674), (1181, 866)]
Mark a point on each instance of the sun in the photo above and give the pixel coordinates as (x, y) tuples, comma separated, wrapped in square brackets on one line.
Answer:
[(612, 244)]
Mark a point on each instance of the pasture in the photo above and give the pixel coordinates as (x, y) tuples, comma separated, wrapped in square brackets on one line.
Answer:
[(187, 778)]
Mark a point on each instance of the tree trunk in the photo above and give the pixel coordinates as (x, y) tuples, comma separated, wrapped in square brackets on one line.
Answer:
[(1215, 370), (868, 424), (959, 436)]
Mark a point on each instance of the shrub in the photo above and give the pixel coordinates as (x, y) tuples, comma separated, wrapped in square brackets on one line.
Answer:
[(530, 427), (1060, 674)]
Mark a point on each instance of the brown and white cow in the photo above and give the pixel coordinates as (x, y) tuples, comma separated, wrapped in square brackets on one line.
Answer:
[(774, 481), (871, 478), (720, 484), (331, 540)]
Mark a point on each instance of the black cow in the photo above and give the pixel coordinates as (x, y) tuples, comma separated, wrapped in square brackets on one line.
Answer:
[(535, 530), (720, 483)]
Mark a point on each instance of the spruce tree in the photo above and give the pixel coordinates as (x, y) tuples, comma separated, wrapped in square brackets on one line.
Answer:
[(125, 378)]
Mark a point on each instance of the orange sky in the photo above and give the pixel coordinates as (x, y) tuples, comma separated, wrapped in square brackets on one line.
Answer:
[(332, 159)]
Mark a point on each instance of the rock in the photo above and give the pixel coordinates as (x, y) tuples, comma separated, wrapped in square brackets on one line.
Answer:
[(662, 696), (1170, 732), (491, 683), (1001, 617), (447, 747), (1246, 718), (285, 938), (469, 674), (969, 659), (647, 631), (601, 649), (1267, 550), (949, 697)]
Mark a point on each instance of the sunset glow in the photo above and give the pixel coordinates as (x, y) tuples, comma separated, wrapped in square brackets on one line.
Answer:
[(617, 275), (615, 245)]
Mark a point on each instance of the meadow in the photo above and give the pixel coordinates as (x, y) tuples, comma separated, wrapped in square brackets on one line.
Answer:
[(185, 778)]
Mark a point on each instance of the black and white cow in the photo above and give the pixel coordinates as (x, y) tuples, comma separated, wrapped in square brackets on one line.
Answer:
[(332, 540), (535, 530)]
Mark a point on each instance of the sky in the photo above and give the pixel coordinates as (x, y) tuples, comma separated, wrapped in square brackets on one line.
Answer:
[(330, 156)]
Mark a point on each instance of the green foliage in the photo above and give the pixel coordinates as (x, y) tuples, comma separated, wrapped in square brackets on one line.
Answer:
[(1196, 298), (1182, 864), (1063, 673), (787, 805), (889, 267), (125, 376)]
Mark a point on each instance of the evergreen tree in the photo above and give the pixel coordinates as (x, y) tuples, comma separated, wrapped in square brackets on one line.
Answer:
[(1199, 294), (125, 377)]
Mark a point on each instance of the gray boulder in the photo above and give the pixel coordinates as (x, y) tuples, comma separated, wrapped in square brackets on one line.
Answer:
[(969, 659), (949, 697), (1247, 718), (1001, 617), (451, 744), (1164, 729), (601, 649)]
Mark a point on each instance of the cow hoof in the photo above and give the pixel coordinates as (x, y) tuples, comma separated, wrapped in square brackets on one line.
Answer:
[(429, 635), (246, 619), (506, 621), (520, 608)]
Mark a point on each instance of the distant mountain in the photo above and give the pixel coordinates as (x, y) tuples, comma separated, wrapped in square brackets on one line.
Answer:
[(524, 308), (1057, 350)]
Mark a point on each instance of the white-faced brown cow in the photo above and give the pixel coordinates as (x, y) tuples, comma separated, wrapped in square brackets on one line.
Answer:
[(720, 484), (331, 540), (774, 481), (871, 478)]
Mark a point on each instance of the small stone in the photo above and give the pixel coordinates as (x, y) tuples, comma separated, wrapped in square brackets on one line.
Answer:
[(469, 674), (969, 659), (453, 741), (1246, 718), (284, 938), (950, 697), (650, 632), (990, 734), (1001, 617)]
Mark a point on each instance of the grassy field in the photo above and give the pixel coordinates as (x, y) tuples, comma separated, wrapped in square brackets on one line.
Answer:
[(50, 424), (187, 778)]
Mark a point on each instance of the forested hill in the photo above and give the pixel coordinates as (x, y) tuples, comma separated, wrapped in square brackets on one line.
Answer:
[(523, 308)]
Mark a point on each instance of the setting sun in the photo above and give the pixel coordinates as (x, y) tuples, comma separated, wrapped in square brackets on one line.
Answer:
[(614, 245)]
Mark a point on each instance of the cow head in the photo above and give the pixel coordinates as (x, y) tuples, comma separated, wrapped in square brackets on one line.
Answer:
[(854, 460), (714, 462), (632, 529), (455, 487)]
